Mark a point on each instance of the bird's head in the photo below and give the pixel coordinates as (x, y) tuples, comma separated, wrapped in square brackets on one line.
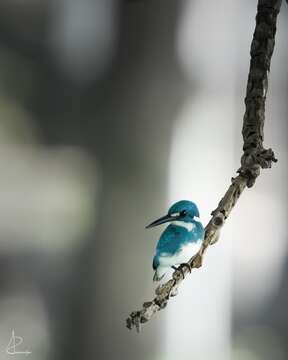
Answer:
[(183, 210)]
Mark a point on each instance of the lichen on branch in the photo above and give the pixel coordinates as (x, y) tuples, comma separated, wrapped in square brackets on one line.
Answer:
[(254, 157)]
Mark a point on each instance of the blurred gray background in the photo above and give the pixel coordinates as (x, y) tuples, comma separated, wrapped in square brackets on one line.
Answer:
[(110, 111)]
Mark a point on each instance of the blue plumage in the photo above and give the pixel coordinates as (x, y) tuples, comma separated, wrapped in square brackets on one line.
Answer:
[(180, 240)]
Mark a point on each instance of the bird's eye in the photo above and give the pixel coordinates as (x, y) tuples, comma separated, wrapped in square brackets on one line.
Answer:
[(183, 212)]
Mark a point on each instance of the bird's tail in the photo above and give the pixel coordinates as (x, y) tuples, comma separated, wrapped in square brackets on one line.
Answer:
[(159, 273)]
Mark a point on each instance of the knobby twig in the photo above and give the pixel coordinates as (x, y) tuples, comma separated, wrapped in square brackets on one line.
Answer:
[(254, 158)]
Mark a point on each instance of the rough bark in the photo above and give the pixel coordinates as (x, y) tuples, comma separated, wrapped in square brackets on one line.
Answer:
[(254, 157)]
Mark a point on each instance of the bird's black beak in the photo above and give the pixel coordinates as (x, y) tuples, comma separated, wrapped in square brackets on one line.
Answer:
[(162, 220)]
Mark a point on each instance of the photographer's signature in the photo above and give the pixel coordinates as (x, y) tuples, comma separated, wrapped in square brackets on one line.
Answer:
[(14, 343)]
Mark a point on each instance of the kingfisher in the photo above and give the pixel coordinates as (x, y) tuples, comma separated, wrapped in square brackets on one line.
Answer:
[(181, 239)]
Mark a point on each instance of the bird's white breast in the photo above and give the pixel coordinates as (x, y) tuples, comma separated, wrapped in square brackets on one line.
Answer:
[(185, 253)]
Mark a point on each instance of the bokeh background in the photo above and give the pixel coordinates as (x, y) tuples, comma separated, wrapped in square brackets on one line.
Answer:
[(110, 111)]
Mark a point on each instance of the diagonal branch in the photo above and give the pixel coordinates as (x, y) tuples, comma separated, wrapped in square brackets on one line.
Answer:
[(254, 158)]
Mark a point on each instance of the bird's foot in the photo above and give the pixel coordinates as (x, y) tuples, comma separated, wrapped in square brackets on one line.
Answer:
[(180, 269)]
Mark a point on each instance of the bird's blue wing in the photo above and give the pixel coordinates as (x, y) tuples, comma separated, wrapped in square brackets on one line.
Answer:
[(172, 239)]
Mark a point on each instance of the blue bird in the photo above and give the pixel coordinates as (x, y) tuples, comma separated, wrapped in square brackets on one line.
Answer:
[(181, 239)]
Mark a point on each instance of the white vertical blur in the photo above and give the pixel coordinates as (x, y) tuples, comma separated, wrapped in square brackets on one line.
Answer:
[(201, 312), (202, 162)]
